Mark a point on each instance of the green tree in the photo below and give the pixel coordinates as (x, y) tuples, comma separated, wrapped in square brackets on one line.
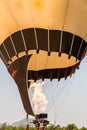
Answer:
[(71, 127), (83, 128), (4, 126), (8, 128), (32, 128), (20, 128)]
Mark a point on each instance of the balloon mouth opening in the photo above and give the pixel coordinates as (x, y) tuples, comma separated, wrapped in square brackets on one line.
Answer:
[(42, 66)]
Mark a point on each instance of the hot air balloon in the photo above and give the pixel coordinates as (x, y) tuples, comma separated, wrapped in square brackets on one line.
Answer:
[(42, 39)]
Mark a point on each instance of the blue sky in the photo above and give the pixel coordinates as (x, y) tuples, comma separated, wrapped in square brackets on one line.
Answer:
[(72, 110)]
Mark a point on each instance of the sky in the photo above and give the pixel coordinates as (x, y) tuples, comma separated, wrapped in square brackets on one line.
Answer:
[(73, 108)]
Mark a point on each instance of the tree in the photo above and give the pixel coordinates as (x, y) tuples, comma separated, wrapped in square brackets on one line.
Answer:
[(71, 127), (83, 128), (20, 128)]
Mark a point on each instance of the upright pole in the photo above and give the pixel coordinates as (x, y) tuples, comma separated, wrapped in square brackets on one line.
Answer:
[(27, 123)]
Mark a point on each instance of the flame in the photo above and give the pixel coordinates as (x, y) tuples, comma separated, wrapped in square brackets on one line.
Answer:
[(39, 99)]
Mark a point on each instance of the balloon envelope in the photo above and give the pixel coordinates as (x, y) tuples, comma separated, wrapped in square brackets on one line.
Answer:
[(42, 39)]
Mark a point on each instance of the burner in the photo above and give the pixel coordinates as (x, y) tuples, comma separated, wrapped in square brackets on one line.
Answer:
[(41, 121)]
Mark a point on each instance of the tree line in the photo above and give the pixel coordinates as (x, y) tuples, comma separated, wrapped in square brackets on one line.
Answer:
[(52, 127)]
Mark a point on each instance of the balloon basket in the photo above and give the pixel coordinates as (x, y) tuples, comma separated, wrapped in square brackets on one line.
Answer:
[(41, 121)]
